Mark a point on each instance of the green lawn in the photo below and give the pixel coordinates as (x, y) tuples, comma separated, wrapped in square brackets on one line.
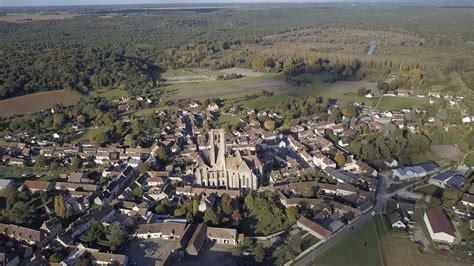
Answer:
[(390, 102), (265, 102), (109, 93), (260, 223), (17, 172), (224, 119), (91, 132), (308, 241), (429, 189), (396, 186), (362, 247)]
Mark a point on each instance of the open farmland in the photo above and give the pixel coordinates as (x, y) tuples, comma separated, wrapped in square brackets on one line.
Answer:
[(36, 102)]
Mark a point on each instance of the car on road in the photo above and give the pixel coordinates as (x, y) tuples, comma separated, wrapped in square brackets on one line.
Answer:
[(373, 213)]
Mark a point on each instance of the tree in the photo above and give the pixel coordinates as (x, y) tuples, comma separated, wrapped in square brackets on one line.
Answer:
[(41, 161), (163, 207), (84, 260), (340, 159), (76, 163), (210, 217), (291, 215), (362, 91), (269, 125), (416, 74), (161, 155), (227, 204), (249, 201), (115, 235), (308, 192), (21, 213), (259, 252), (195, 207), (138, 193), (44, 197), (94, 233), (59, 206)]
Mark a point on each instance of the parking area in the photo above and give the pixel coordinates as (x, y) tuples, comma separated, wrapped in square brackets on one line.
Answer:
[(147, 251), (211, 255)]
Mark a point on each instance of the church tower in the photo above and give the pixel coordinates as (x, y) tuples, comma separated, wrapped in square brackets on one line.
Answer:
[(218, 149)]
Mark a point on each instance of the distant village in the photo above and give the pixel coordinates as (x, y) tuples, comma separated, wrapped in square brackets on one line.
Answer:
[(200, 198)]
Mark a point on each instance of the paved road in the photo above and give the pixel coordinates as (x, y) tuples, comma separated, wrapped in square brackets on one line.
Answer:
[(381, 198)]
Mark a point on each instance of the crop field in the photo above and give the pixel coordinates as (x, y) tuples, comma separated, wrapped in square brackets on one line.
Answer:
[(36, 102)]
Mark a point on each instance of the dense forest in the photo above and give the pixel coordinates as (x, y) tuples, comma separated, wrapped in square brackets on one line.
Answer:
[(125, 49)]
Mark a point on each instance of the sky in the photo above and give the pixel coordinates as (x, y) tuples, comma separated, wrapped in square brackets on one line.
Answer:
[(106, 2)]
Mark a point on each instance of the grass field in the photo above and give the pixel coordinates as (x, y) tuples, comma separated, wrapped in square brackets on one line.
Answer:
[(264, 102), (260, 223), (228, 88), (397, 103), (429, 189), (18, 172), (36, 102), (362, 247), (224, 119), (109, 94), (399, 251)]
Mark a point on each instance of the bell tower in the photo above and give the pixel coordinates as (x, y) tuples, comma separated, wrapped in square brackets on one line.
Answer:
[(218, 149)]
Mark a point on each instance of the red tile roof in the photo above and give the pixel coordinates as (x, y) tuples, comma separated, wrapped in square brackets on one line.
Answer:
[(440, 223)]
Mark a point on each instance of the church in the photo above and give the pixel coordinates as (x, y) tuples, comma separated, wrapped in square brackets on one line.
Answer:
[(225, 168)]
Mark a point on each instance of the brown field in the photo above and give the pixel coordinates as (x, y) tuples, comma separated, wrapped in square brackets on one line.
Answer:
[(398, 252), (35, 102), (29, 17)]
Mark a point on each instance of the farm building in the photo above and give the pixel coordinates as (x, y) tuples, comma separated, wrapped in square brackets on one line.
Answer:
[(415, 171), (440, 227), (314, 228), (448, 179)]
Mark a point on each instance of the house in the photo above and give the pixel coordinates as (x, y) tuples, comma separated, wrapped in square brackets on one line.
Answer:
[(168, 231), (39, 185), (25, 234), (313, 228), (467, 119), (213, 107), (467, 200), (440, 227), (401, 92), (223, 236), (396, 221), (197, 240), (407, 207), (4, 183), (101, 258), (390, 162)]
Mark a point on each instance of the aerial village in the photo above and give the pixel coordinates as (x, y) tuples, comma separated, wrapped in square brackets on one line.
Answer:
[(201, 189)]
